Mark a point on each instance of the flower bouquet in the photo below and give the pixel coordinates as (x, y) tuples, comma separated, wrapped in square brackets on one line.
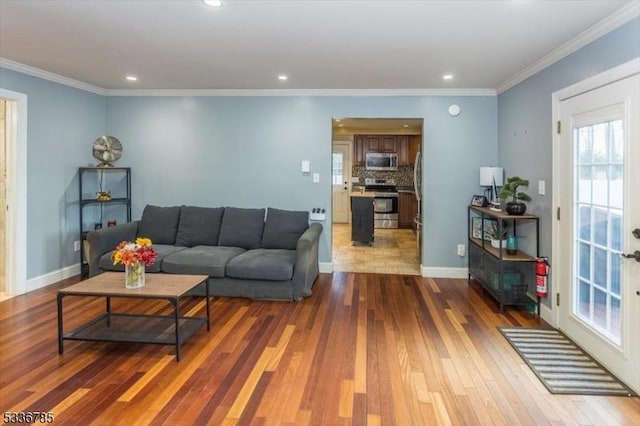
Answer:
[(134, 256)]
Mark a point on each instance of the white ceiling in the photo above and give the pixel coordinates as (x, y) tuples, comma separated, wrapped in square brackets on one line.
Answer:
[(321, 44)]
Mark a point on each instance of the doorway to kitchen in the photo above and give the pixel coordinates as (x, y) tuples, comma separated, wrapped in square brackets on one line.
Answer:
[(376, 158)]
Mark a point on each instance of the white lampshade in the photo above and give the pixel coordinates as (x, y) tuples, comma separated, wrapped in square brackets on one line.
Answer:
[(491, 175)]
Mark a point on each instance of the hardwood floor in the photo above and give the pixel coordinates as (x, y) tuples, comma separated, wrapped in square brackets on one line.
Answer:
[(373, 349)]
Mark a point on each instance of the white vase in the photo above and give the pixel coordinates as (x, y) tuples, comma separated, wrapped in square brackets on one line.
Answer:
[(134, 275)]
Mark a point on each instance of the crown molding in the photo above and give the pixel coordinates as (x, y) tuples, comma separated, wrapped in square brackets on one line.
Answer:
[(610, 23), (56, 78), (50, 76), (302, 92)]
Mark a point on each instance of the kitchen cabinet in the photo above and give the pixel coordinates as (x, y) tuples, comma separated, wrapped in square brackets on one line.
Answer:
[(381, 143), (359, 142), (415, 145), (403, 145), (402, 149), (406, 206), (105, 193), (508, 278), (362, 219)]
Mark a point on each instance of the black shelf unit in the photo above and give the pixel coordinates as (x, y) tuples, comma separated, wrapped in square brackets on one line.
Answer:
[(91, 180), (509, 279)]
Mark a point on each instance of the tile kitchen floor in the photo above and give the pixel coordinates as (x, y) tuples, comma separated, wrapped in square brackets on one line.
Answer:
[(393, 252)]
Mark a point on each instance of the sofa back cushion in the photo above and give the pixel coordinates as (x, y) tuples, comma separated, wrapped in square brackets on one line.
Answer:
[(160, 224), (199, 226), (241, 228), (283, 228)]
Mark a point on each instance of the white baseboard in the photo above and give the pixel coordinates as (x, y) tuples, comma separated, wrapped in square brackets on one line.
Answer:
[(436, 272), (53, 277), (325, 267)]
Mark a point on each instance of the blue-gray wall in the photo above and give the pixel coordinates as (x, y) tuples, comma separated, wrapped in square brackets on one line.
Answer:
[(524, 116), (62, 123), (246, 152)]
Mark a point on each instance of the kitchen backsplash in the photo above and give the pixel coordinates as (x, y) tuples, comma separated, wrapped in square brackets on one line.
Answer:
[(403, 177)]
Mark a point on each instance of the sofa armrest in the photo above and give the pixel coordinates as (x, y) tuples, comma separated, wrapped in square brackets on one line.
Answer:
[(306, 269), (105, 240)]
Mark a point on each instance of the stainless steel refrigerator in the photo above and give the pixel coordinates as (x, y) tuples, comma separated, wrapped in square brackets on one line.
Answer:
[(417, 186)]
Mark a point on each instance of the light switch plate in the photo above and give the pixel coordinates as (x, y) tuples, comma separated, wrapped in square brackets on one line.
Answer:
[(316, 177), (305, 166), (541, 187)]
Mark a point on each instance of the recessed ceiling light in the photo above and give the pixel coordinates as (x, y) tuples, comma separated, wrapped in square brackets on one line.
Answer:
[(213, 3), (405, 125), (337, 120), (132, 78), (282, 77), (447, 77)]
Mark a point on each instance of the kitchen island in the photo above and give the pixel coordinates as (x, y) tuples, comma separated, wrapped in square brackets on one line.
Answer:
[(362, 217)]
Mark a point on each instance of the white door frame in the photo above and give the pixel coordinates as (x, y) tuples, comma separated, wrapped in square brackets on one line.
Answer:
[(16, 192), (622, 71), (348, 167)]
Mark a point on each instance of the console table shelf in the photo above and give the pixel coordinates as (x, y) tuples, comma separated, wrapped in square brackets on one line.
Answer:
[(509, 278)]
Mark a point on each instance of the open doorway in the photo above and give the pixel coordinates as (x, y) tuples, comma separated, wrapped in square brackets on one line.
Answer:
[(3, 199), (391, 147), (14, 206)]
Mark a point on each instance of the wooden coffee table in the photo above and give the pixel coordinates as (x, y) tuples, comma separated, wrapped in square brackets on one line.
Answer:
[(139, 328)]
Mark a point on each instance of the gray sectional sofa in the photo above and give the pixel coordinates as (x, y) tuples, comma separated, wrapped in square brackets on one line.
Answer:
[(244, 254)]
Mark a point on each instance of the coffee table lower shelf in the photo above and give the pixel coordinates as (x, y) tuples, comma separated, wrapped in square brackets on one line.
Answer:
[(155, 329)]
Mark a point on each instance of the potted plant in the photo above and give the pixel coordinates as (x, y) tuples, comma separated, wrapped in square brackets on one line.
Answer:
[(499, 234), (510, 190)]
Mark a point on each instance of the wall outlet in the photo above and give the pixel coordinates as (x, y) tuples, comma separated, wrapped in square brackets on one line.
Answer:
[(76, 246), (316, 177), (461, 250)]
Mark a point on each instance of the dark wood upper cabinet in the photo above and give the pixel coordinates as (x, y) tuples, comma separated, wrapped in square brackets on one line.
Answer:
[(375, 143), (403, 145), (388, 144), (415, 144), (359, 150), (402, 148)]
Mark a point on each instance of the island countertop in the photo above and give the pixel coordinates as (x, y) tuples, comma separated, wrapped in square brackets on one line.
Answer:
[(365, 194)]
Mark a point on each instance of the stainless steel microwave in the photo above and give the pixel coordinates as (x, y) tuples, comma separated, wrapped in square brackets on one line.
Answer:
[(381, 161)]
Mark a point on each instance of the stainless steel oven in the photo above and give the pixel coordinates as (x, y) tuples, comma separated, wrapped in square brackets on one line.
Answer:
[(385, 202), (385, 210)]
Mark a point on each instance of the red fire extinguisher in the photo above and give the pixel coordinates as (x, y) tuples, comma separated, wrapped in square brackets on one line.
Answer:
[(542, 273)]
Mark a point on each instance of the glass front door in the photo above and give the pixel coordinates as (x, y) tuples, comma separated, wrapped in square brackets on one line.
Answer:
[(597, 243)]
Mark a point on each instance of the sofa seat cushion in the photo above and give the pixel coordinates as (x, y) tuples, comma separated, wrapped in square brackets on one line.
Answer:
[(263, 264), (201, 260), (163, 250)]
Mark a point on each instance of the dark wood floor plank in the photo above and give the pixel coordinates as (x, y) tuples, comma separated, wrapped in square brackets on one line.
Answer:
[(363, 349)]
